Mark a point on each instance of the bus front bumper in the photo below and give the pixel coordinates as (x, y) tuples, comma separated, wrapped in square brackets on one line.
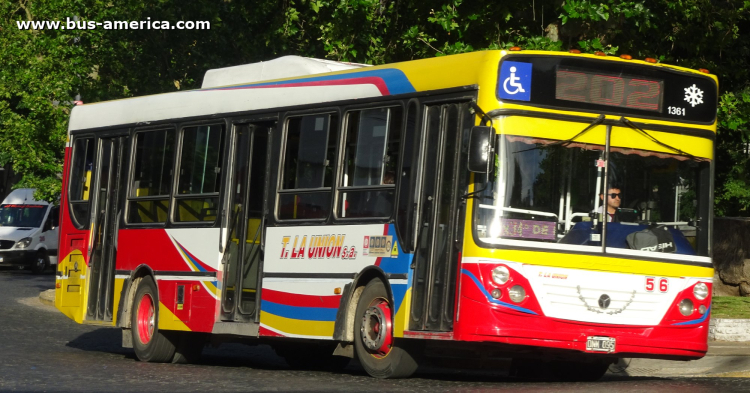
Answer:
[(479, 323)]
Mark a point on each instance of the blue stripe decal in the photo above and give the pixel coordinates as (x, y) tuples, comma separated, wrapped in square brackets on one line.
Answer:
[(493, 300), (190, 258), (302, 313), (695, 321), (394, 79)]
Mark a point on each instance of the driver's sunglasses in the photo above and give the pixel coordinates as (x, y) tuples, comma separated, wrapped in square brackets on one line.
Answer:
[(615, 195)]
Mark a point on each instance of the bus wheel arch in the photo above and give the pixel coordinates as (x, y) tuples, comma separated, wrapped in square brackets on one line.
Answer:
[(344, 327), (136, 276)]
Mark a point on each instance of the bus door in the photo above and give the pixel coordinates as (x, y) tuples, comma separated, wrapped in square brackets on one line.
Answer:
[(438, 242), (243, 232), (105, 215)]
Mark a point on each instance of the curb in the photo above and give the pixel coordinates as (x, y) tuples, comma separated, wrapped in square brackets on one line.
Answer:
[(723, 329), (47, 297)]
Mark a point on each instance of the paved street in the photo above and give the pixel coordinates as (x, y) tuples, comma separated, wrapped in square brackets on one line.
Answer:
[(42, 350)]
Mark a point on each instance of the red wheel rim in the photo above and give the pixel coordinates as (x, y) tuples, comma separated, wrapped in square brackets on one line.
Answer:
[(377, 328), (146, 318)]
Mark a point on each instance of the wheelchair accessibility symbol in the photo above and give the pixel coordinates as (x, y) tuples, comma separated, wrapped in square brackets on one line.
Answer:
[(515, 81), (512, 80)]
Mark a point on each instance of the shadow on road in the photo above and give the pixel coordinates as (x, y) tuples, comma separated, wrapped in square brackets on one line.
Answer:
[(107, 340)]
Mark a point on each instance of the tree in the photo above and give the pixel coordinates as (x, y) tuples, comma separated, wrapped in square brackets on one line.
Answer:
[(45, 69)]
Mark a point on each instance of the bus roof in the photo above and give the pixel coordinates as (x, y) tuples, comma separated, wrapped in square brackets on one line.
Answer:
[(311, 88), (293, 81), (283, 67)]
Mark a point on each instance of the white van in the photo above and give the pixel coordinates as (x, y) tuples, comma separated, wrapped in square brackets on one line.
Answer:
[(28, 231)]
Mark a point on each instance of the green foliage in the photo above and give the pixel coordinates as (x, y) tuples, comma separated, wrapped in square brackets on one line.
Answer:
[(43, 70), (732, 188)]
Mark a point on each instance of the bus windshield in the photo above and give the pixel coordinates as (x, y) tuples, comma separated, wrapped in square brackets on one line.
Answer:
[(552, 193), (22, 215)]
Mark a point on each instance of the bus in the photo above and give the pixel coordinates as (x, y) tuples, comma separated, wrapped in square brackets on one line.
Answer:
[(553, 208)]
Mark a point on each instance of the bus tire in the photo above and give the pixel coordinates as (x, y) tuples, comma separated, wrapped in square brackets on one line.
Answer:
[(149, 343), (377, 350), (41, 263)]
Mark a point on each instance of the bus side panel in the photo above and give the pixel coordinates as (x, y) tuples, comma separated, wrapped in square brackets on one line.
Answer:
[(305, 265), (186, 258)]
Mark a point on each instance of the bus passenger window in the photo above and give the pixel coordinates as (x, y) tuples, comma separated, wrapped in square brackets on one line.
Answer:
[(197, 196), (152, 177), (80, 180), (371, 159), (307, 174)]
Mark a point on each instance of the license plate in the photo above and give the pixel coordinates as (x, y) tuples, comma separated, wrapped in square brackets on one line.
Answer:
[(600, 344)]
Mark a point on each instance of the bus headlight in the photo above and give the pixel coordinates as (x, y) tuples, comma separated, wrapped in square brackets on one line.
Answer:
[(517, 293), (23, 243), (686, 307), (500, 275), (700, 290)]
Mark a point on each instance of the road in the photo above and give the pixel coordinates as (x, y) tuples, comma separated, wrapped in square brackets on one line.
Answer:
[(42, 350)]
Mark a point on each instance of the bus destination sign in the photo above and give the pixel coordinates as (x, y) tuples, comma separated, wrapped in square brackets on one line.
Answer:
[(610, 87)]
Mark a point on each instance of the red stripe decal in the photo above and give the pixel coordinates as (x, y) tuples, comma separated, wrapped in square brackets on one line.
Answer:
[(297, 300), (378, 82), (266, 332)]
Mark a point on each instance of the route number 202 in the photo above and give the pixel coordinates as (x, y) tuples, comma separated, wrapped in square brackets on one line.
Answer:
[(651, 284)]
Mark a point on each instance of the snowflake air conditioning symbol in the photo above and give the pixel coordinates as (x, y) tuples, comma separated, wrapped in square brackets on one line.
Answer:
[(693, 95)]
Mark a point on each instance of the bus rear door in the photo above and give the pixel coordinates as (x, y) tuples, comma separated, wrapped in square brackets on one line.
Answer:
[(105, 215)]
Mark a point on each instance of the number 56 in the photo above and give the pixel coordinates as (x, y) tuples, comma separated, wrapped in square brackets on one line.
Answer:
[(651, 284)]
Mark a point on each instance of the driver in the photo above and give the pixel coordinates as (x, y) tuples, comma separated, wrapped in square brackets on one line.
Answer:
[(614, 199)]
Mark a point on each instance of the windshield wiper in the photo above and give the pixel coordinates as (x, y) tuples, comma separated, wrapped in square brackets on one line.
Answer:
[(632, 125), (599, 120)]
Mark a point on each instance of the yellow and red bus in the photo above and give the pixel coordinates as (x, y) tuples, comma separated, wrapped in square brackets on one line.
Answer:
[(550, 207)]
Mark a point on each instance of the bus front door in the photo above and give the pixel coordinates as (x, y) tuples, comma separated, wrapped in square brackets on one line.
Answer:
[(244, 225), (104, 217), (439, 242)]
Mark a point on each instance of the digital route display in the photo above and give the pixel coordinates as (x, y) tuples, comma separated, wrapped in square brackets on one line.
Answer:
[(607, 87)]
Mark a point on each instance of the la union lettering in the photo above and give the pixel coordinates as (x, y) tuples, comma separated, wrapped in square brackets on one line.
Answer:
[(319, 247)]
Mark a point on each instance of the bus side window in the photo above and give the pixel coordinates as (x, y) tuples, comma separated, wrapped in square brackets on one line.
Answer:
[(80, 180), (368, 188), (307, 173), (197, 196), (148, 201)]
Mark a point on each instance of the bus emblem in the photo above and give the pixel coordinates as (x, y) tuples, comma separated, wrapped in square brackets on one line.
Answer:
[(604, 301)]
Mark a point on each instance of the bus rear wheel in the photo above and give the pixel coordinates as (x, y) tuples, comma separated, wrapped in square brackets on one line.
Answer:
[(149, 343), (378, 352)]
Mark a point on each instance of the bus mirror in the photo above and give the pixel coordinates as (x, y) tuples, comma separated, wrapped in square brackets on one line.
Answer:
[(480, 149)]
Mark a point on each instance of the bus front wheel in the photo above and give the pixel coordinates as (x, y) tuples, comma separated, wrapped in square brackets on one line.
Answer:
[(378, 352), (149, 343)]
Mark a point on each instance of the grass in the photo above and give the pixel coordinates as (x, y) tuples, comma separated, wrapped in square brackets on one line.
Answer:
[(732, 307)]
